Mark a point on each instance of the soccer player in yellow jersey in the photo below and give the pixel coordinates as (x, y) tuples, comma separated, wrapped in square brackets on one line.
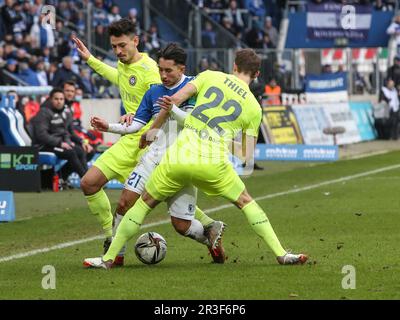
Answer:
[(134, 75), (224, 108)]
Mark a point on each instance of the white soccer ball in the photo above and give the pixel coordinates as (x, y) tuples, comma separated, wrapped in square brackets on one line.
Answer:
[(151, 248)]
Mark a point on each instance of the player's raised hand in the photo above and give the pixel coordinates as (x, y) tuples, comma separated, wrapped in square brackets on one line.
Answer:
[(165, 103), (127, 119), (82, 50), (99, 124)]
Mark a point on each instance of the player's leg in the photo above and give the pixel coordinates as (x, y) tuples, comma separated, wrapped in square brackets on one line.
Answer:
[(162, 184), (126, 201), (116, 163), (128, 227), (130, 224), (259, 222), (181, 207), (222, 180), (133, 188), (99, 205)]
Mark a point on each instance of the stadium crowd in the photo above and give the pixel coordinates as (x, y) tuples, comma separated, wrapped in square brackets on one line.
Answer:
[(34, 54)]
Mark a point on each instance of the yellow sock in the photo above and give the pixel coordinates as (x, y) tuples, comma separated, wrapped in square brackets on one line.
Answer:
[(128, 227), (100, 206), (204, 219), (260, 224)]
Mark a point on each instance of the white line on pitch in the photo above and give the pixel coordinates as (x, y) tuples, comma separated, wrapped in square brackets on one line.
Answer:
[(211, 210)]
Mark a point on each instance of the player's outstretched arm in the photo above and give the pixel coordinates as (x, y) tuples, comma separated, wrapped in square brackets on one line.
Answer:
[(102, 125), (106, 71), (188, 91)]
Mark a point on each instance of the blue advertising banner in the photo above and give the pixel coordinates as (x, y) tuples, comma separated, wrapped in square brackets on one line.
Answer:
[(363, 114), (330, 87), (296, 153), (330, 82), (297, 35), (7, 206), (330, 20)]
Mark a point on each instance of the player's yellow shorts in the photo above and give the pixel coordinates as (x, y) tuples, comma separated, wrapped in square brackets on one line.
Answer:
[(179, 168), (118, 161)]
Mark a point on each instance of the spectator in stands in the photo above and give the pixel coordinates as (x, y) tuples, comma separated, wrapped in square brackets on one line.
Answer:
[(88, 87), (9, 47), (208, 36), (47, 57), (11, 68), (52, 132), (134, 18), (394, 30), (326, 68), (64, 11), (256, 8), (214, 9), (267, 43), (273, 92), (10, 16), (154, 37), (27, 75), (380, 6), (254, 37), (203, 65), (99, 39), (227, 23), (233, 14), (390, 94), (51, 72), (60, 35), (394, 71), (65, 73), (271, 31), (114, 14), (99, 13), (41, 73)]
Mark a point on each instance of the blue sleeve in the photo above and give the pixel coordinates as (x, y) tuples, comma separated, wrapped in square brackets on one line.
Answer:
[(145, 111)]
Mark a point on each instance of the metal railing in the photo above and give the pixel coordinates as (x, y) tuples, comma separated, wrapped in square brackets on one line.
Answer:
[(15, 78)]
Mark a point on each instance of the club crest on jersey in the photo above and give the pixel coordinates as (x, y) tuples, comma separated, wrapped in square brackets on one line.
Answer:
[(132, 80)]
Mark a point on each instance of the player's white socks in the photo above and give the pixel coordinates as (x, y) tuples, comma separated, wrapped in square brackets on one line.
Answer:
[(117, 220), (196, 232)]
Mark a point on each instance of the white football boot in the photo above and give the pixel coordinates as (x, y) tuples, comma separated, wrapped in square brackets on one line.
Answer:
[(290, 258), (97, 263)]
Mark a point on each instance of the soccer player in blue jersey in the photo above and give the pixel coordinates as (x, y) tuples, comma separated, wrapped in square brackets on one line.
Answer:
[(187, 219)]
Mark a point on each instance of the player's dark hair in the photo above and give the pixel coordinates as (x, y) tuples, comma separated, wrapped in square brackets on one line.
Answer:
[(121, 27), (173, 52), (248, 62), (54, 91)]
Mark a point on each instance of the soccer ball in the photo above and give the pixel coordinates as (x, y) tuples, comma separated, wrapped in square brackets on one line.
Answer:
[(151, 248)]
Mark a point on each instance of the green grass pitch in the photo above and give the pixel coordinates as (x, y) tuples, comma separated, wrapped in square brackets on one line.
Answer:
[(338, 223)]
